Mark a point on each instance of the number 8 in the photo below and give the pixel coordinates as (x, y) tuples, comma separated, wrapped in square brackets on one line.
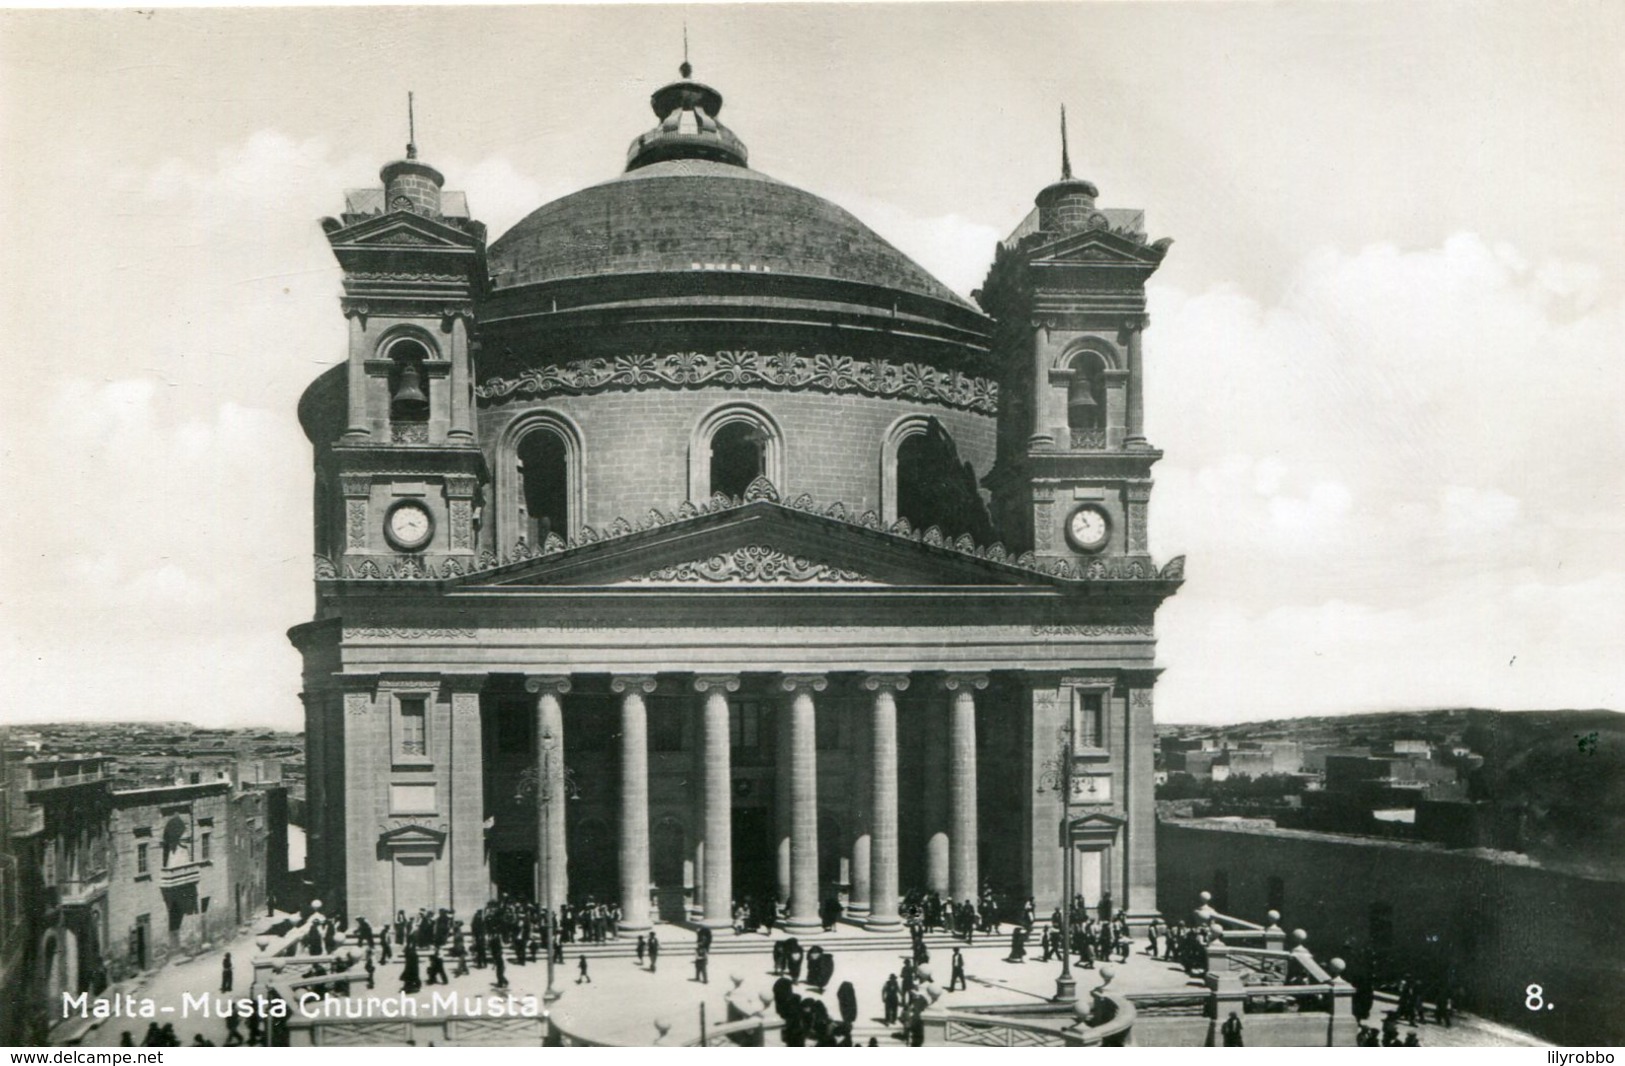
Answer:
[(1532, 997)]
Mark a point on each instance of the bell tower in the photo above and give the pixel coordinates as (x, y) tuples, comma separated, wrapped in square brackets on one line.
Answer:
[(1072, 477), (404, 478)]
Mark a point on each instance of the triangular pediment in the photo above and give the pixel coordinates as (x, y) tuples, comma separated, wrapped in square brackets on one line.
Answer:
[(1098, 247), (401, 229), (759, 544), (411, 833)]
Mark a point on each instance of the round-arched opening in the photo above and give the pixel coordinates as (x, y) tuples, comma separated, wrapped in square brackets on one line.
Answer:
[(936, 488), (738, 457), (1086, 393), (408, 390), (544, 476)]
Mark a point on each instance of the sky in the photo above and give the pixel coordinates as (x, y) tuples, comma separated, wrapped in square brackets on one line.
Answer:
[(1384, 359)]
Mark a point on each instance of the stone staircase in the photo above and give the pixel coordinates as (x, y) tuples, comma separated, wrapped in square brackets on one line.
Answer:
[(677, 942)]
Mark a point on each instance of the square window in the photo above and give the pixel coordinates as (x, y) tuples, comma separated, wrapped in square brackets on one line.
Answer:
[(412, 729), (1088, 719)]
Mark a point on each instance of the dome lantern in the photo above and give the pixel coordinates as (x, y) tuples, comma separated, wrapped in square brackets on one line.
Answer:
[(688, 127)]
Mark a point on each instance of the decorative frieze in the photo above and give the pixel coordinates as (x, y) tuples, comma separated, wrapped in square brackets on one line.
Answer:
[(759, 558), (462, 524), (756, 563), (355, 525), (785, 370), (1092, 631), (406, 633)]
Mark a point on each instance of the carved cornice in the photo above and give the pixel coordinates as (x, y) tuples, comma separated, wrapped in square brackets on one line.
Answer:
[(761, 491), (756, 563), (1092, 631), (407, 633), (783, 370)]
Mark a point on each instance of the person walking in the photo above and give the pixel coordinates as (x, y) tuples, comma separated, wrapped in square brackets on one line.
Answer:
[(890, 997), (643, 948), (654, 951), (225, 973), (499, 962), (582, 976), (1231, 1030), (956, 971), (702, 966)]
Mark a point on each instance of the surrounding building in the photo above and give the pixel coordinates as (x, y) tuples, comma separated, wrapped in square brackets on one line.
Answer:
[(690, 543)]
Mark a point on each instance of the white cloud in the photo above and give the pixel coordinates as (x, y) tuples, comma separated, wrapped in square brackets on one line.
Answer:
[(1409, 470)]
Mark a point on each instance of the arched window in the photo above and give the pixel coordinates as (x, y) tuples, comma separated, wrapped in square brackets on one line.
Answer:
[(731, 447), (408, 386), (1086, 393), (924, 480), (539, 485), (738, 457), (544, 475)]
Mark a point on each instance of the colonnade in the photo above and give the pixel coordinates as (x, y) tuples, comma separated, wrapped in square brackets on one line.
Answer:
[(951, 866)]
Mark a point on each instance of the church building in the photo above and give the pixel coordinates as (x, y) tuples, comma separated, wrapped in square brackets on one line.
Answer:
[(689, 543)]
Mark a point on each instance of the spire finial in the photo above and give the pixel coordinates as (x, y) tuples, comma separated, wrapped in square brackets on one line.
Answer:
[(411, 129), (1066, 160), (687, 68)]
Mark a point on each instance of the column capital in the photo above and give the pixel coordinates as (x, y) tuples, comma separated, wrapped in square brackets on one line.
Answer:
[(954, 682), (892, 682), (720, 682), (547, 684), (804, 682), (622, 683)]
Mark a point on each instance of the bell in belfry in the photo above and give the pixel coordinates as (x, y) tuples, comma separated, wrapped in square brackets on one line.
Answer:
[(409, 400)]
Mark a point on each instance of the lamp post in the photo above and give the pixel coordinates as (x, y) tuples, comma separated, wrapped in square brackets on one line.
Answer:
[(1058, 775), (540, 779)]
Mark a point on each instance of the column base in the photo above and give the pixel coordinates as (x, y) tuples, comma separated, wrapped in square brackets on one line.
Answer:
[(803, 925), (881, 923), (622, 928), (716, 923), (856, 910)]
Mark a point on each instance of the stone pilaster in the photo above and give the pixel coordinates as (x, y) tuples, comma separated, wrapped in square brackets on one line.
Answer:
[(717, 813), (1140, 802), (803, 802), (1135, 437), (552, 877), (962, 851), (366, 781), (470, 879), (883, 850), (634, 840)]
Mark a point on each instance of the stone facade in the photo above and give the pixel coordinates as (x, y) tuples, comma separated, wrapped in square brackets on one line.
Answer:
[(717, 550)]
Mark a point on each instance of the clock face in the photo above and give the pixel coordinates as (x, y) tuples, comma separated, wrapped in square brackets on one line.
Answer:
[(409, 526), (1088, 528)]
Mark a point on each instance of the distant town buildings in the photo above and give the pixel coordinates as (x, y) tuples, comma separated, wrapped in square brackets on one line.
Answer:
[(116, 864)]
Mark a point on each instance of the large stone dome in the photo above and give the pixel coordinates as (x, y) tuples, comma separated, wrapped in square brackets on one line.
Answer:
[(689, 235), (696, 215)]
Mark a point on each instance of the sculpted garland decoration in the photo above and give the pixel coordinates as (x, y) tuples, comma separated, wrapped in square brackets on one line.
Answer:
[(756, 562), (831, 373), (414, 568)]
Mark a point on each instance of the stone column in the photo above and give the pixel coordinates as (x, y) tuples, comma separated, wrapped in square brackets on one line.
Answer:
[(1135, 436), (803, 803), (883, 857), (861, 784), (470, 880), (934, 798), (962, 874), (552, 877), (717, 817), (462, 428), (634, 840), (360, 425), (781, 798)]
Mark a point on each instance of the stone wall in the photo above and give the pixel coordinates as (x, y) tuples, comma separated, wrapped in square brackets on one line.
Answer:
[(1498, 926)]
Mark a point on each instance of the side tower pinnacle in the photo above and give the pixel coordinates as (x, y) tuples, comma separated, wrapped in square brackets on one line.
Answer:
[(1072, 478)]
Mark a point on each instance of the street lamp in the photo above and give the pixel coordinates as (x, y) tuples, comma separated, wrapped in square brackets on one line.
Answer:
[(540, 780), (1057, 774)]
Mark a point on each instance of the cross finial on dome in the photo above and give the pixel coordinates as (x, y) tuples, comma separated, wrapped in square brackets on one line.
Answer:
[(1066, 160), (687, 69)]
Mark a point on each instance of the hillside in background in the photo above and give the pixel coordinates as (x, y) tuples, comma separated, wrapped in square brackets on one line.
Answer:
[(1562, 773)]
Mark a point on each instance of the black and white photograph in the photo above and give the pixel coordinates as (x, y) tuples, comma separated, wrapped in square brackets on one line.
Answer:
[(1089, 524)]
